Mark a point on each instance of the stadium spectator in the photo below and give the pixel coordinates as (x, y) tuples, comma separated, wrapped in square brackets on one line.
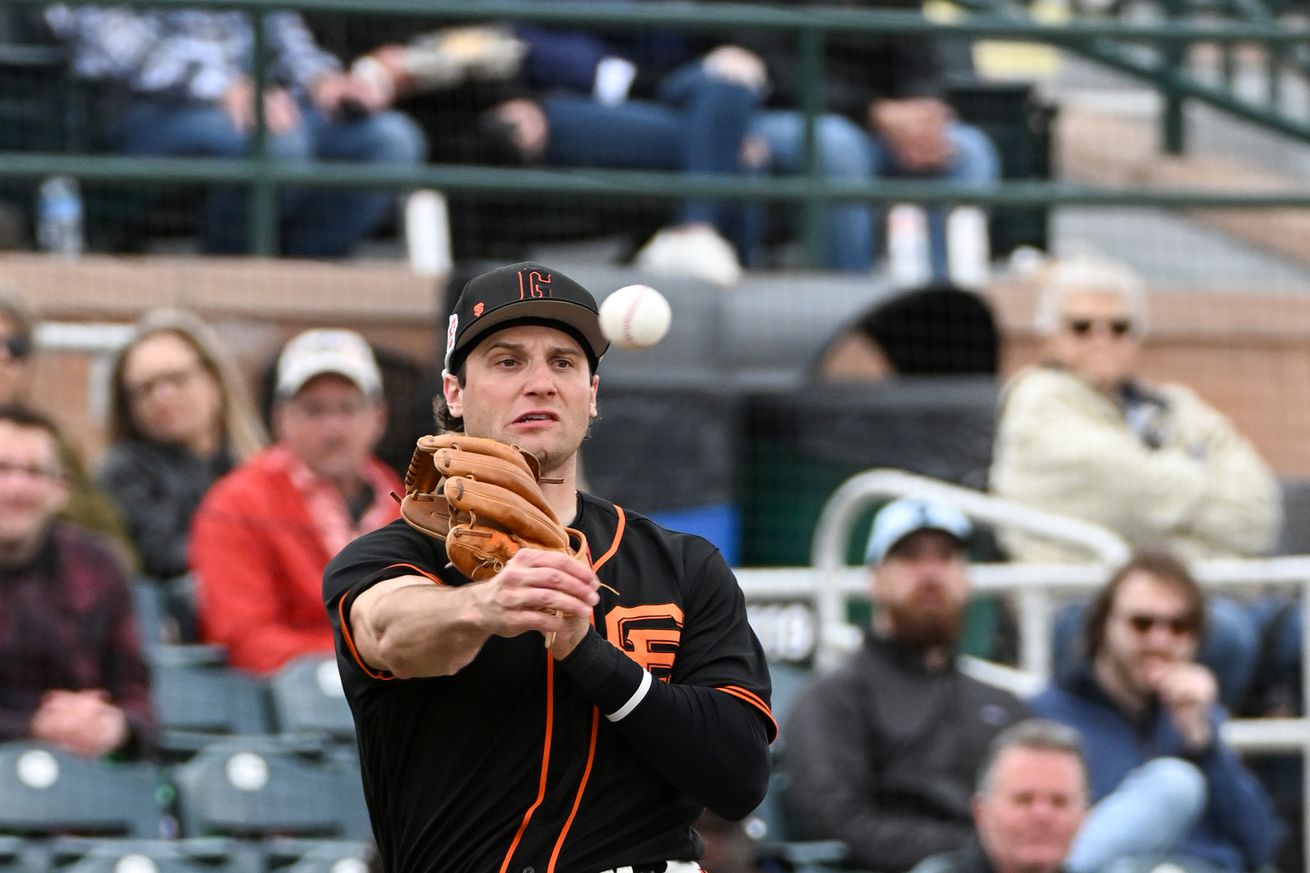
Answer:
[(533, 95), (264, 533), (87, 506), (179, 419), (1031, 799), (1150, 724), (179, 84), (1083, 434), (885, 116), (883, 752), (71, 671)]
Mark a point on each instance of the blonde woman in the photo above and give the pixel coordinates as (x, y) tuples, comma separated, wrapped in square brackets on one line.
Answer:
[(180, 418)]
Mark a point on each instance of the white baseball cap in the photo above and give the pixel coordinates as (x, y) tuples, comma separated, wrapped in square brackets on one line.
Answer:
[(900, 518), (327, 350)]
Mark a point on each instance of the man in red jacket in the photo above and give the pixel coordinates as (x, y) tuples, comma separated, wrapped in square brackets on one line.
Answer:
[(264, 533)]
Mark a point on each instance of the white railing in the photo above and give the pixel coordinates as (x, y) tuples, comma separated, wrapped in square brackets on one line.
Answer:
[(830, 584)]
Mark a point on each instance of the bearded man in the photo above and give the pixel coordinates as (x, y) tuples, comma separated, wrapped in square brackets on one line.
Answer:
[(883, 752)]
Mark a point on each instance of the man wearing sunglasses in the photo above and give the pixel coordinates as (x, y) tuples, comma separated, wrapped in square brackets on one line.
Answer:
[(1164, 785), (1083, 434)]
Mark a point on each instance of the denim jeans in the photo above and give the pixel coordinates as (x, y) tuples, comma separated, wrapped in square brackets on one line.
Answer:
[(1146, 815), (696, 125), (848, 153), (315, 222)]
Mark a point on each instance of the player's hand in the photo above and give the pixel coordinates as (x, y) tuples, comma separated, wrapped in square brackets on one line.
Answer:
[(543, 591), (1188, 690), (915, 129), (83, 722), (529, 128)]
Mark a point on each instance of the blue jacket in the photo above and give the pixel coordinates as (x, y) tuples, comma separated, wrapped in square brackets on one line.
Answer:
[(1238, 830)]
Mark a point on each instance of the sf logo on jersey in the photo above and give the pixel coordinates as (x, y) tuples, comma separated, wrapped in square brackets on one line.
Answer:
[(648, 634)]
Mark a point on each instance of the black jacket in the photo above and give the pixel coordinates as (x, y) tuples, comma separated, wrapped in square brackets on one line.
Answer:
[(883, 754)]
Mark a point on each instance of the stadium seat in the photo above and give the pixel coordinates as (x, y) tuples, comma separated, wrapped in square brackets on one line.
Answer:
[(199, 699), (253, 789), (775, 848), (215, 855), (308, 699), (45, 791), (320, 856)]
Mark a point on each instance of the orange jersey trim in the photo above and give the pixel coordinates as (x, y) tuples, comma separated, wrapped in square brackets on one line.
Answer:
[(756, 701), (545, 765), (350, 639), (582, 787), (618, 537), (550, 722)]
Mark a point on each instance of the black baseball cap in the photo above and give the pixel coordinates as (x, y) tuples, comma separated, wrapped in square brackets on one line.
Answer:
[(523, 294)]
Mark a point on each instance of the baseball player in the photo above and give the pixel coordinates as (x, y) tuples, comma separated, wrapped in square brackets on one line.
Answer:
[(562, 715)]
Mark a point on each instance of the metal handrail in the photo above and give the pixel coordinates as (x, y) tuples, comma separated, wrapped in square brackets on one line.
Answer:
[(857, 494), (830, 582), (1101, 40)]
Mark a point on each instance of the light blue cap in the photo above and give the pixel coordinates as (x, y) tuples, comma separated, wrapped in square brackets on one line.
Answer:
[(900, 518)]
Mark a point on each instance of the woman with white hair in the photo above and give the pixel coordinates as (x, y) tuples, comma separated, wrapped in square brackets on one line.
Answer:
[(1082, 434)]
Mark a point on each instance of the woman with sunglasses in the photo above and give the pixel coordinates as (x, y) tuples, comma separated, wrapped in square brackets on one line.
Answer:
[(179, 418), (1083, 434)]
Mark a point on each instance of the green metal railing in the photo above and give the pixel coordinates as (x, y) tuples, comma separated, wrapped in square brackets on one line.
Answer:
[(1107, 42)]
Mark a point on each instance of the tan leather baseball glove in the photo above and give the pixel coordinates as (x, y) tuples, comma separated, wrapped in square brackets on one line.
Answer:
[(483, 499)]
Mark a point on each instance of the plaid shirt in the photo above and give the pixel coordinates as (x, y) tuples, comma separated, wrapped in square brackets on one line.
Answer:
[(189, 54), (67, 623)]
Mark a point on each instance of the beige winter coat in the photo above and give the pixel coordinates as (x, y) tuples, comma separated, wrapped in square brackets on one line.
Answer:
[(1063, 446)]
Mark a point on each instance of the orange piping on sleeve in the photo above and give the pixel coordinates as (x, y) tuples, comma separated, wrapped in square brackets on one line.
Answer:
[(350, 639), (756, 701)]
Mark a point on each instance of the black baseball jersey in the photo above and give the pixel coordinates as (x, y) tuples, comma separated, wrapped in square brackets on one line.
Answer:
[(523, 764)]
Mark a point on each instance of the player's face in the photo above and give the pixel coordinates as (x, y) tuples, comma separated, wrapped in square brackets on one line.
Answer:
[(1032, 809), (1096, 339), (528, 386), (921, 587), (33, 487), (1150, 628), (14, 370), (173, 397), (332, 426)]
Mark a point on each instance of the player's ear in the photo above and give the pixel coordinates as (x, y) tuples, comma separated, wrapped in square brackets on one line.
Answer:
[(595, 385), (453, 393)]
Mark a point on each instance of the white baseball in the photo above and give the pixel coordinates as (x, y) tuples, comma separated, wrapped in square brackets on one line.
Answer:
[(635, 317)]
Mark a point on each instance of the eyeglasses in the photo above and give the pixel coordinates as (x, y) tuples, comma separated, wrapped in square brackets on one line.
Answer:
[(1143, 623), (175, 379), (319, 409), (32, 471), (1083, 327), (17, 346)]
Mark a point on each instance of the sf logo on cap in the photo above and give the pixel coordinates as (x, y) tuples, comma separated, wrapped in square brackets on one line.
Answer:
[(534, 283)]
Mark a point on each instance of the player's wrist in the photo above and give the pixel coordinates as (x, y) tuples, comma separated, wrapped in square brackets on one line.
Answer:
[(603, 672)]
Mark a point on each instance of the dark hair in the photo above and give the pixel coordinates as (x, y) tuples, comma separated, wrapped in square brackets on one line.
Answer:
[(446, 422), (27, 418), (1032, 733), (1161, 565)]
